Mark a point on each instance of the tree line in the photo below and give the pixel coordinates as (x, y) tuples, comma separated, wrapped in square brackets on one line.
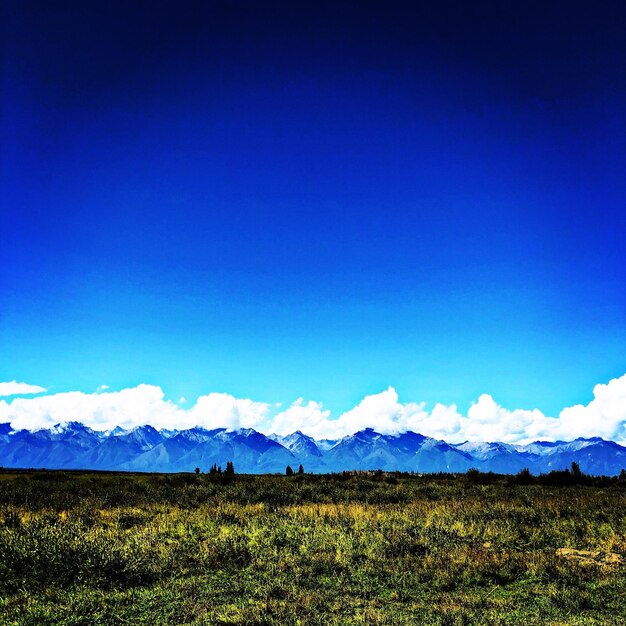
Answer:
[(216, 470)]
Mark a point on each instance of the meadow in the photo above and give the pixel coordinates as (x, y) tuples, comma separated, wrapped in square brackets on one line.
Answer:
[(105, 548)]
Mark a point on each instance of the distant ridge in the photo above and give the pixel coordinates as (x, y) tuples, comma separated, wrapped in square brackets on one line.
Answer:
[(72, 445)]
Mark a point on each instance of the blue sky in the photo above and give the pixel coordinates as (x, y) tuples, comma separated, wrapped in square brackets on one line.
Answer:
[(278, 202)]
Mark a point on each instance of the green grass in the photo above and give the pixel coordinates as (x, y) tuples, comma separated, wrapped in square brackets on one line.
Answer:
[(86, 548)]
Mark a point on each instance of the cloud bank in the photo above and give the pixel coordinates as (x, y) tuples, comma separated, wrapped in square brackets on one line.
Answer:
[(486, 420), (14, 388)]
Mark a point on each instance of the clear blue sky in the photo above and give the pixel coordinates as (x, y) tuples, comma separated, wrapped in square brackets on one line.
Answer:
[(288, 199)]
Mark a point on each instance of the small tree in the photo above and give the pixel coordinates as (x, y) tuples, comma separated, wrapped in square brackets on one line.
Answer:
[(197, 471), (289, 471), (524, 477), (576, 473), (219, 469), (301, 470), (230, 468), (472, 475)]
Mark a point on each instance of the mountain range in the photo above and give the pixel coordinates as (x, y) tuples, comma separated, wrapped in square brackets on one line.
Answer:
[(73, 445)]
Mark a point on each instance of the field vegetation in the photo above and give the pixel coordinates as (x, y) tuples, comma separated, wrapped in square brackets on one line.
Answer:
[(105, 548)]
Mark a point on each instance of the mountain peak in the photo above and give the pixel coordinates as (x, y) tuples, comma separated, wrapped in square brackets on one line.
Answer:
[(146, 428), (298, 434), (247, 432), (367, 432), (198, 433), (71, 444), (70, 426), (299, 443)]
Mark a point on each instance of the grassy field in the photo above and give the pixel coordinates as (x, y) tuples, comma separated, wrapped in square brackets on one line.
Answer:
[(87, 548)]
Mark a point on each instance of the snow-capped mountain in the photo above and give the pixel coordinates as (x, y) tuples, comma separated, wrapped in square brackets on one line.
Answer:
[(118, 430), (499, 457), (58, 446), (167, 432), (299, 444), (118, 448), (72, 445)]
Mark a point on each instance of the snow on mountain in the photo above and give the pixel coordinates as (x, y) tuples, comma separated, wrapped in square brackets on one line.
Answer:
[(368, 449), (166, 456), (167, 433), (144, 437), (499, 457), (485, 450), (73, 445), (299, 444), (55, 447), (326, 444), (542, 448), (114, 432)]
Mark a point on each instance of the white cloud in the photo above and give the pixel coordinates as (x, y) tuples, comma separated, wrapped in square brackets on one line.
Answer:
[(14, 388), (217, 410), (486, 420), (604, 416), (126, 408), (310, 418), (144, 404), (381, 411)]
